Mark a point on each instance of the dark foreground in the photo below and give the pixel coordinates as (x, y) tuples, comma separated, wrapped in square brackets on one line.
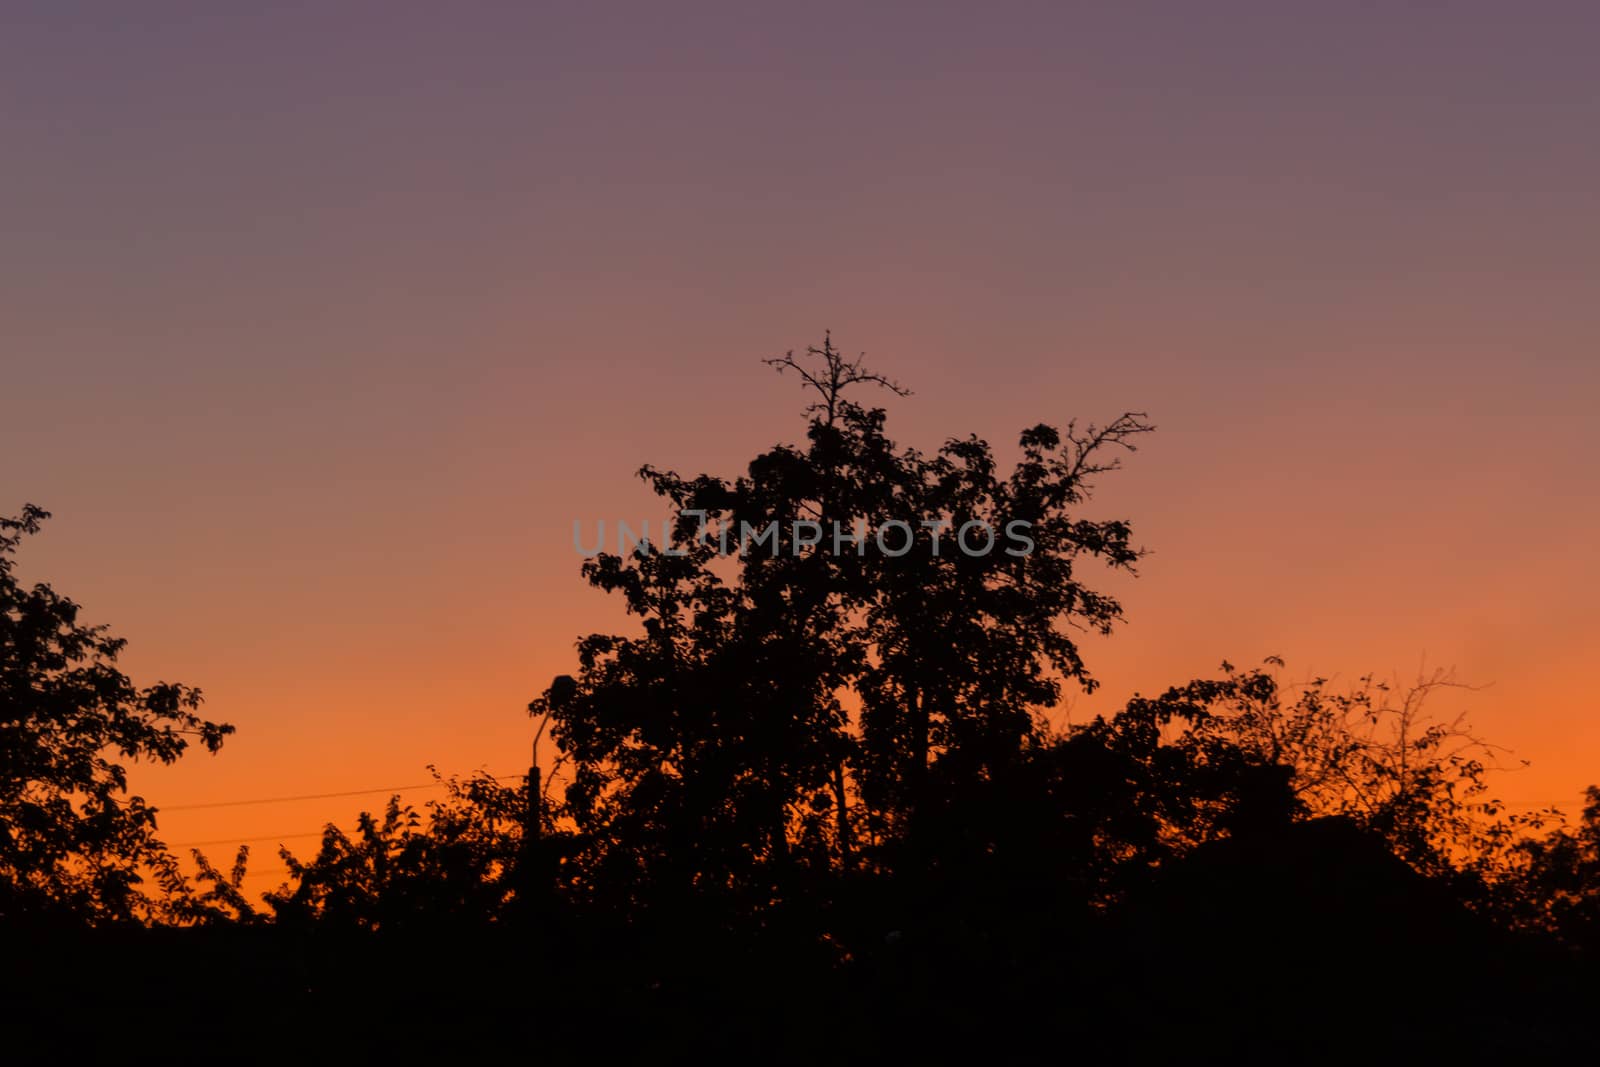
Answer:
[(1316, 951)]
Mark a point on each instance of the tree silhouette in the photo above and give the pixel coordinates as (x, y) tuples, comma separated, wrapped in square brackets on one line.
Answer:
[(788, 708), (811, 807), (1370, 753), (70, 837), (1556, 887)]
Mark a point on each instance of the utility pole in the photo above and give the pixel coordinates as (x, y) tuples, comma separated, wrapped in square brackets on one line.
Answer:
[(533, 826)]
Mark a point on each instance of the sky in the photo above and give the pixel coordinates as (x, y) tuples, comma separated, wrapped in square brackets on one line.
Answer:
[(320, 324)]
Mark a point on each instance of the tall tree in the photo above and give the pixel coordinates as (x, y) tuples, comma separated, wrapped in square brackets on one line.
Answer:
[(875, 631)]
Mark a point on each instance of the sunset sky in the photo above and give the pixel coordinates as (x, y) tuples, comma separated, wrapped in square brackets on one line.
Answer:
[(320, 323)]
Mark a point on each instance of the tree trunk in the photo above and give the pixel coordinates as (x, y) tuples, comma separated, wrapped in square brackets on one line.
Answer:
[(841, 816)]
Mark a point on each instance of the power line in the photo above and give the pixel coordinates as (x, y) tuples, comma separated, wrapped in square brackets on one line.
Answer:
[(244, 840), (315, 796), (1521, 803), (287, 799), (1541, 803)]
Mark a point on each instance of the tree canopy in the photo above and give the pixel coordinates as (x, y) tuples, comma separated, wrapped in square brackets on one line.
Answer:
[(788, 704)]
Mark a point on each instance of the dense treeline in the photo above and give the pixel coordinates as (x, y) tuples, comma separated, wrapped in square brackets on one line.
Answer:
[(812, 806)]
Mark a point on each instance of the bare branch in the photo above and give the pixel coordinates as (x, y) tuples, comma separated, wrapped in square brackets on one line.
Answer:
[(836, 375)]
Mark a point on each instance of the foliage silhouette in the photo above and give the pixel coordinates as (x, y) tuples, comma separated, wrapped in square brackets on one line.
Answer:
[(790, 716), (1244, 746), (812, 807), (1556, 888), (70, 839), (453, 860)]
